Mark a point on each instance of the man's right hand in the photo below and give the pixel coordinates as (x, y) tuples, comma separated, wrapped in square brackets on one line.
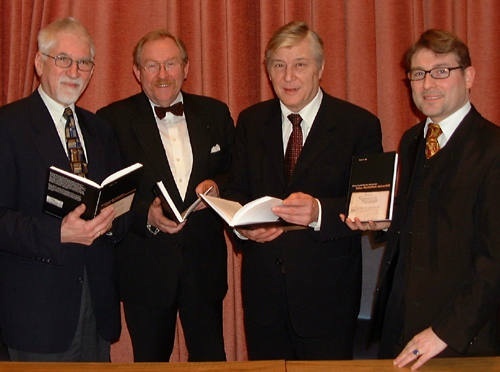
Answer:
[(157, 218)]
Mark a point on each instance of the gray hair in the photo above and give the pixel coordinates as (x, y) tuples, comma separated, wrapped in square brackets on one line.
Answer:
[(47, 36)]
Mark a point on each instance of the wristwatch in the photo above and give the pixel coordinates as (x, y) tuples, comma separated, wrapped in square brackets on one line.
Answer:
[(152, 229)]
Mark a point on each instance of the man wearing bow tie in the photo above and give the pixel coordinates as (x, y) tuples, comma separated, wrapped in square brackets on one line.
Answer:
[(185, 141)]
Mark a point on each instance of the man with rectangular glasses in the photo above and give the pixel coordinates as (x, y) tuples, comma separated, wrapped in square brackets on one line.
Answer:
[(439, 286)]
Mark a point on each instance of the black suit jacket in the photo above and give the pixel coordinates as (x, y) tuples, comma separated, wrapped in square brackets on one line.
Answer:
[(40, 278), (150, 265), (449, 241), (323, 268)]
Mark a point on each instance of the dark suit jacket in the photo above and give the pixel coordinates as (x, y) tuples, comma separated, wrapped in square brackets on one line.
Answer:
[(449, 241), (40, 278), (323, 269), (150, 266)]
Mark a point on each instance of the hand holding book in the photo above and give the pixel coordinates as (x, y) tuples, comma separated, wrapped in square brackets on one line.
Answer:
[(255, 214), (299, 209), (356, 224), (170, 209)]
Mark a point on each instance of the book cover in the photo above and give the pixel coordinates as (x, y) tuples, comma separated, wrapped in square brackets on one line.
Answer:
[(169, 209), (65, 191), (372, 187)]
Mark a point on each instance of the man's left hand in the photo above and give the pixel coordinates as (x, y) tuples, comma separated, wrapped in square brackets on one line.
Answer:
[(203, 187), (422, 347)]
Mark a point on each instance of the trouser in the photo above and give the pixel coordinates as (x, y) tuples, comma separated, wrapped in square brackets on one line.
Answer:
[(87, 345)]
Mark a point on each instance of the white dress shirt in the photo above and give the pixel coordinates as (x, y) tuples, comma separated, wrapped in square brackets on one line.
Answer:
[(56, 111), (175, 138)]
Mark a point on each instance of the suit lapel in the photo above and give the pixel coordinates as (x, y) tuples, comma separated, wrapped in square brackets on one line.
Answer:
[(199, 138), (272, 141), (148, 136), (45, 139), (415, 152), (320, 137)]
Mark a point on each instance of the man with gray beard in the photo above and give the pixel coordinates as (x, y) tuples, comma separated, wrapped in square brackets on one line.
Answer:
[(57, 295)]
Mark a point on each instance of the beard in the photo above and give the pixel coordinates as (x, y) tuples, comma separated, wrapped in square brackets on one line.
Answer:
[(70, 90)]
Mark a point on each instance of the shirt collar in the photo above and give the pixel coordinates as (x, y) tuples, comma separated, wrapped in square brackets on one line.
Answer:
[(450, 124), (55, 108), (308, 113)]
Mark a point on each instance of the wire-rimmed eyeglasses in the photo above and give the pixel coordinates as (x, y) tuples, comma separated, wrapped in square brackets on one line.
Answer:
[(64, 61)]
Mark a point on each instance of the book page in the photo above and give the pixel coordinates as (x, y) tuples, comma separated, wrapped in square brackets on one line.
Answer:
[(369, 206), (224, 208), (193, 206), (257, 211), (122, 206)]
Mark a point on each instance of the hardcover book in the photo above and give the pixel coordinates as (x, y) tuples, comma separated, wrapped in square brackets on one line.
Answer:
[(372, 187), (255, 212), (66, 191), (168, 205)]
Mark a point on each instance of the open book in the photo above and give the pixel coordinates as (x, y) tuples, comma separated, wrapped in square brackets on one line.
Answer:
[(66, 190), (168, 205), (372, 187), (255, 212)]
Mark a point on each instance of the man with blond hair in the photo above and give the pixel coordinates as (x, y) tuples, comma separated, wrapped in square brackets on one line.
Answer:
[(301, 287)]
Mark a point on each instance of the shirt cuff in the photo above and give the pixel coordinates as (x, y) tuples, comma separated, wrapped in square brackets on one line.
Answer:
[(316, 225)]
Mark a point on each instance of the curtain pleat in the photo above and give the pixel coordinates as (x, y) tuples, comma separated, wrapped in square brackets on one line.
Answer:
[(364, 44)]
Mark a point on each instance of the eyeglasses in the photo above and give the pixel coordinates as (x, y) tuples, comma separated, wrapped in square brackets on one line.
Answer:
[(64, 61), (436, 73), (154, 67)]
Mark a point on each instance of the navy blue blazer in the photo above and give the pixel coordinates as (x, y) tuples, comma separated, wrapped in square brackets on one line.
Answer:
[(40, 278)]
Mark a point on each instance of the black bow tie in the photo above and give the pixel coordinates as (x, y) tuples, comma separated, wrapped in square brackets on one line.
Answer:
[(177, 109)]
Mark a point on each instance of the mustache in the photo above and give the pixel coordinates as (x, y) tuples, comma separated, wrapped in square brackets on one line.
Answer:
[(164, 82), (66, 80)]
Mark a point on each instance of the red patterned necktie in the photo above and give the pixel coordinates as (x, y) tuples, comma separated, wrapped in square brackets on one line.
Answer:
[(294, 146), (431, 142), (177, 109), (75, 150)]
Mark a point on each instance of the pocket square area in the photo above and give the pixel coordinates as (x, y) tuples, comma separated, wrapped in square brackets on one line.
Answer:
[(215, 148)]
